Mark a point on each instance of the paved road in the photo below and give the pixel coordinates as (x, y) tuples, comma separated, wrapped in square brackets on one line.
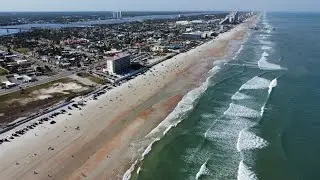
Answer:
[(37, 83)]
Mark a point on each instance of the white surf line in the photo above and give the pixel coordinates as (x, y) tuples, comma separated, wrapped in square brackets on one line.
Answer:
[(245, 173), (198, 175), (248, 140), (264, 42), (265, 65), (174, 118), (240, 96), (203, 170), (237, 110), (138, 170), (128, 173), (247, 64), (266, 47), (232, 64), (184, 106), (255, 83), (272, 85), (239, 51), (265, 54)]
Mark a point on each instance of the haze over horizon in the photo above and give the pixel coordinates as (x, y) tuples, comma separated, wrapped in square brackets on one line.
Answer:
[(163, 5)]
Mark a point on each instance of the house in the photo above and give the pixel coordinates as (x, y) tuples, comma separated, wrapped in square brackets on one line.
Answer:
[(27, 79), (18, 77), (7, 84), (159, 48)]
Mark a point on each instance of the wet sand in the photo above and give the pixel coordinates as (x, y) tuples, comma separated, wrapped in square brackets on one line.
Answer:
[(111, 129)]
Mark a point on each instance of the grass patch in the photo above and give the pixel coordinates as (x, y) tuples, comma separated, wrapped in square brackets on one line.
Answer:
[(14, 110), (3, 71), (92, 78), (25, 93), (22, 50)]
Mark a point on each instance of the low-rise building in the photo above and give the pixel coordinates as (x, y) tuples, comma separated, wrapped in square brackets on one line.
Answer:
[(158, 48), (195, 35), (18, 77), (182, 23), (7, 84), (27, 78)]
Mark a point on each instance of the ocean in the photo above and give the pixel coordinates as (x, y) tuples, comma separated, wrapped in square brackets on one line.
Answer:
[(256, 117)]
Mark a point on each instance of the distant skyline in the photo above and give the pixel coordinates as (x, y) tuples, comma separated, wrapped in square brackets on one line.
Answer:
[(159, 5)]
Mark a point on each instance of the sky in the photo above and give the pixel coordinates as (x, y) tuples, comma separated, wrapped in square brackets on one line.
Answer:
[(158, 5)]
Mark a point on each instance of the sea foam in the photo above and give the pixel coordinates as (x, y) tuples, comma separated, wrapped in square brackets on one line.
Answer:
[(203, 170), (245, 173), (241, 111), (248, 141), (174, 118), (240, 96), (238, 52), (272, 85), (265, 54), (265, 65), (264, 42), (149, 148), (183, 107), (128, 173), (265, 47), (256, 83)]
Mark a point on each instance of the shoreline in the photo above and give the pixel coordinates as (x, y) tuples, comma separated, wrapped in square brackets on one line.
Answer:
[(107, 128), (186, 105)]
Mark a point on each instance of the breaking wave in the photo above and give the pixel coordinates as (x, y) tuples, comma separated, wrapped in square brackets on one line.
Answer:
[(272, 85), (184, 106), (238, 52), (174, 118), (264, 42), (245, 173), (266, 48), (241, 111), (248, 141), (127, 174), (240, 96), (256, 83), (203, 170), (149, 148), (265, 54), (265, 65)]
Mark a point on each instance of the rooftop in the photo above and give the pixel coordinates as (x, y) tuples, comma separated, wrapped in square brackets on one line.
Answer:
[(118, 56)]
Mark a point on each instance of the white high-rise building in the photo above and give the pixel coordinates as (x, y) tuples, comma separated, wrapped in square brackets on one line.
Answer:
[(120, 15), (114, 15), (119, 64), (117, 15)]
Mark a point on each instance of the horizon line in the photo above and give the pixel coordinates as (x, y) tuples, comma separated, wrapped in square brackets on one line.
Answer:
[(184, 11)]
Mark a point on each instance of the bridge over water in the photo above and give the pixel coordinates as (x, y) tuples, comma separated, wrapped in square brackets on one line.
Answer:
[(14, 28)]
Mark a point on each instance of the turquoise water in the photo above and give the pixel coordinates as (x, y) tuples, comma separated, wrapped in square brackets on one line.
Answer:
[(257, 117)]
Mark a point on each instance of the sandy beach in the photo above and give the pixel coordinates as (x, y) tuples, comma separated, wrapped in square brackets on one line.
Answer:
[(105, 137)]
